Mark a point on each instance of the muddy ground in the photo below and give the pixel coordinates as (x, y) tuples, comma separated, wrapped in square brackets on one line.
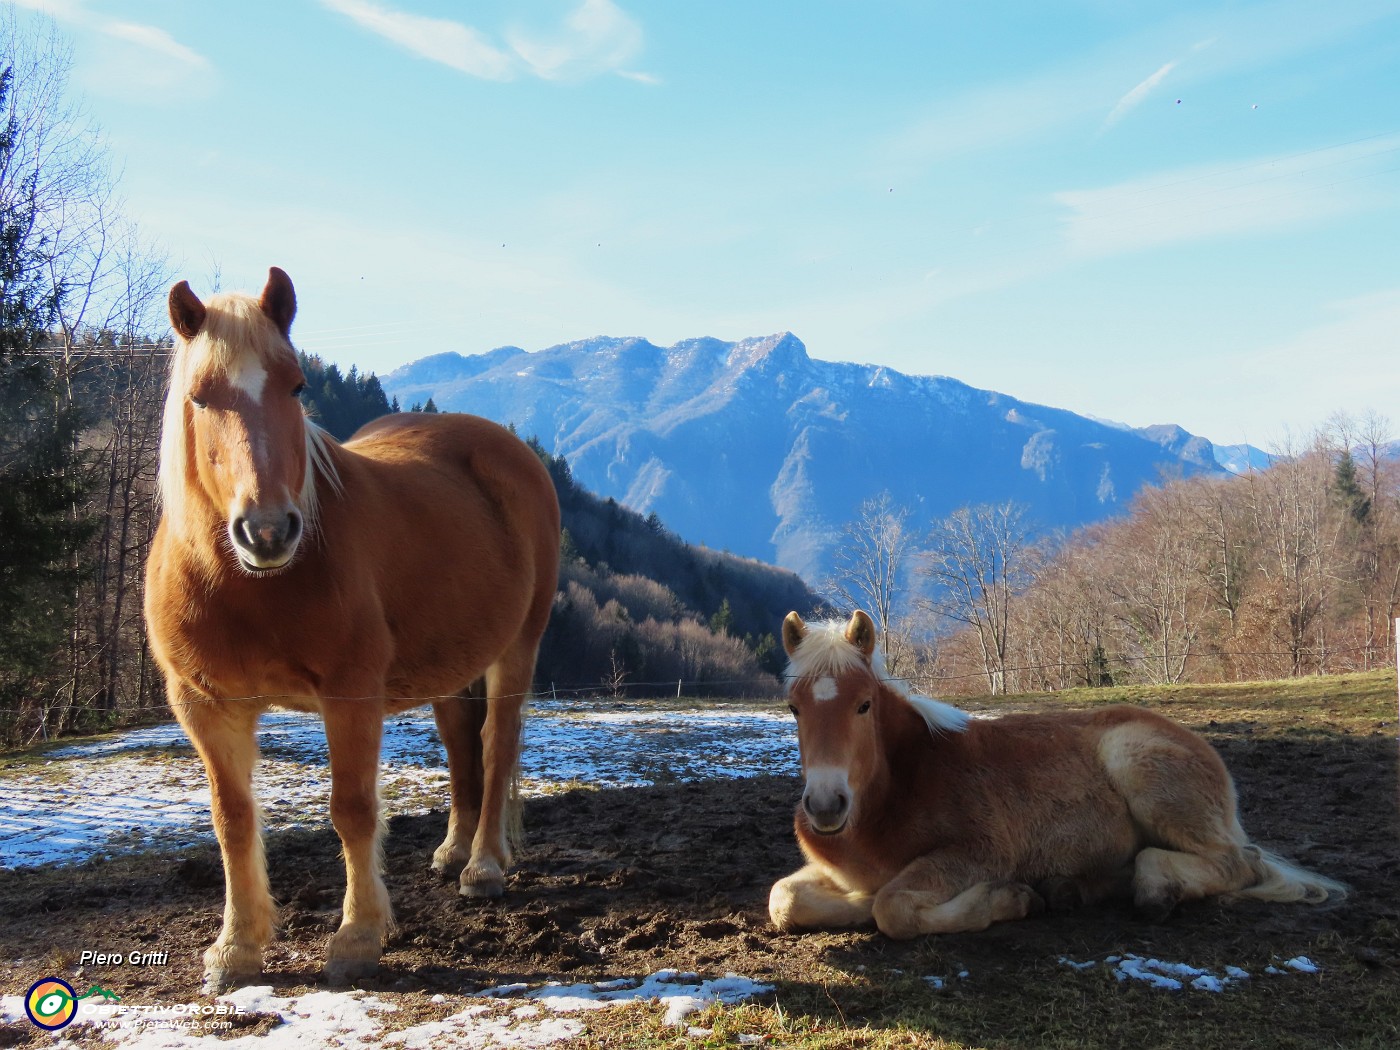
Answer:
[(624, 882)]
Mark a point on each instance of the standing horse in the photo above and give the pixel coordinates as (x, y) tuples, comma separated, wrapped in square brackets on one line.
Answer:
[(926, 821), (354, 581)]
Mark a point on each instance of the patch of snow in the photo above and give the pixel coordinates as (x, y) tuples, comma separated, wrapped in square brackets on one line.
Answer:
[(677, 991), (146, 787), (1172, 976), (323, 1018)]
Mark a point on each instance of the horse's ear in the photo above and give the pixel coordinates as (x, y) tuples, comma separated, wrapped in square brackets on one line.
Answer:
[(186, 311), (860, 632), (794, 630), (279, 299)]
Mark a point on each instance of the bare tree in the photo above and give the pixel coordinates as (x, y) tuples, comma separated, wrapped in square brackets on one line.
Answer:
[(1156, 561), (978, 561), (870, 565), (108, 287), (1298, 532)]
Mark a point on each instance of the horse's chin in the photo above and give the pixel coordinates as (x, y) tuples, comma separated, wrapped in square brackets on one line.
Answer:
[(253, 569), (828, 833)]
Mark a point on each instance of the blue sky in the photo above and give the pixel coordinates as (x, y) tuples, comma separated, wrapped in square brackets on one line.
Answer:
[(1154, 213)]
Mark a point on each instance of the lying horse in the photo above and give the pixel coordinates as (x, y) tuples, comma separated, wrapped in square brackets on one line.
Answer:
[(926, 821), (415, 563)]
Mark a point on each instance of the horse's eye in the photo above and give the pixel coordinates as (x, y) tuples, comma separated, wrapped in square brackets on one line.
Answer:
[(793, 710), (296, 390), (198, 402), (863, 708)]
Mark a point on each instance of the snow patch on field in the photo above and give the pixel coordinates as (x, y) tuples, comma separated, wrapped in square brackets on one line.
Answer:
[(146, 788), (1174, 976), (323, 1018)]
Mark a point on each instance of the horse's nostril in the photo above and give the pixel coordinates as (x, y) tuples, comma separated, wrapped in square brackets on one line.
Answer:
[(293, 526)]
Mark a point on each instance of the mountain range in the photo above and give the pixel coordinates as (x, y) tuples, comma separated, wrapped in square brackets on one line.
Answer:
[(757, 448)]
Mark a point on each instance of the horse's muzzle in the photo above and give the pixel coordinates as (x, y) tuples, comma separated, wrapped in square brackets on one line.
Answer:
[(827, 801), (266, 541)]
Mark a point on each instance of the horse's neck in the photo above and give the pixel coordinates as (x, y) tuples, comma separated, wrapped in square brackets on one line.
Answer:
[(911, 748)]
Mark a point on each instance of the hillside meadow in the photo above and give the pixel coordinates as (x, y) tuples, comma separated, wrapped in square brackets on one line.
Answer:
[(615, 884)]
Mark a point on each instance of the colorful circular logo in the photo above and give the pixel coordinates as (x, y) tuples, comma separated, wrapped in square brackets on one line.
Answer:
[(51, 1003)]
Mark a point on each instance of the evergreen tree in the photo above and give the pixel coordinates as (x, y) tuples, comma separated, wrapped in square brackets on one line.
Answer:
[(40, 485), (1347, 487), (722, 622), (342, 403)]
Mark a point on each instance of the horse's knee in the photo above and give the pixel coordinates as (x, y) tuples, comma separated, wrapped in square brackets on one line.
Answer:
[(782, 905), (896, 914), (354, 815), (902, 914)]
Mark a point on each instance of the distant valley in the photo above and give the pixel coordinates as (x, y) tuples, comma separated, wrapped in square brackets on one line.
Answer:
[(754, 447)]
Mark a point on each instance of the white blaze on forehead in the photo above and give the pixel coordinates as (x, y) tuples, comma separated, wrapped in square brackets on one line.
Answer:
[(824, 689), (248, 375)]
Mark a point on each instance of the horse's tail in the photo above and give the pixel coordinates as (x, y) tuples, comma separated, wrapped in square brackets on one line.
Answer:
[(1285, 882), (515, 801)]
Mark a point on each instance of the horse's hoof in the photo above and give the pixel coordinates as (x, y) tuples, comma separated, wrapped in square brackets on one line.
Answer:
[(220, 982), (1034, 903), (1061, 894), (1157, 910), (341, 972), (449, 862), (484, 881)]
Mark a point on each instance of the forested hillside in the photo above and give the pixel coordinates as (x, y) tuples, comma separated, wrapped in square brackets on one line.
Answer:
[(636, 604), (1288, 571), (639, 605)]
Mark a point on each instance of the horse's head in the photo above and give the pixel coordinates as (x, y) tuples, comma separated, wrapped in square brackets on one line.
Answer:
[(235, 437), (840, 693)]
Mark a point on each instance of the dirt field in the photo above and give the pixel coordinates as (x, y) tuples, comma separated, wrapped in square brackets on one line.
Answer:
[(625, 882)]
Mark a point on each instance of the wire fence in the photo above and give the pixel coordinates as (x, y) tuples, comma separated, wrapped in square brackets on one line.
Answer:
[(718, 689)]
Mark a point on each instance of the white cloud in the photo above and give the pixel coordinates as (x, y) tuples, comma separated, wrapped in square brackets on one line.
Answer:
[(596, 37), (1206, 201), (155, 39), (146, 37), (441, 40), (1135, 97), (1045, 103), (1344, 363)]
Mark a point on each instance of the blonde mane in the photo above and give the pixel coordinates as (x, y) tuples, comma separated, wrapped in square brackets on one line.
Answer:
[(824, 651), (234, 329)]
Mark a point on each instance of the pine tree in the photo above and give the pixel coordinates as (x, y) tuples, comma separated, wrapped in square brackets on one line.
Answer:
[(39, 483), (1349, 492)]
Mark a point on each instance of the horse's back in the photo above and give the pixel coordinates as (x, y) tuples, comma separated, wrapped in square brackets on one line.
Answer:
[(407, 451)]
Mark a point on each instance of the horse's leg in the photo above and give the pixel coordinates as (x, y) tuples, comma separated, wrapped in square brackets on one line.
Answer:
[(1163, 878), (225, 735), (353, 732), (1182, 797), (944, 893), (460, 721), (507, 688), (808, 899)]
